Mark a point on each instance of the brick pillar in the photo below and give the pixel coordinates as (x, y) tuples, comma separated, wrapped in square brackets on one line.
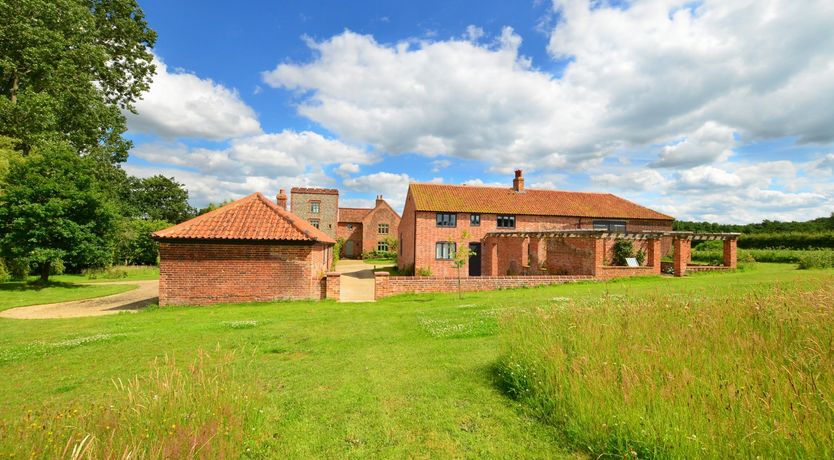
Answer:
[(489, 265), (599, 256), (380, 285), (654, 255), (730, 253), (534, 251), (333, 287), (682, 248), (525, 252)]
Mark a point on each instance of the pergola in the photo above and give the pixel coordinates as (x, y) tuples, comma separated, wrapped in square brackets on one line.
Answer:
[(586, 251)]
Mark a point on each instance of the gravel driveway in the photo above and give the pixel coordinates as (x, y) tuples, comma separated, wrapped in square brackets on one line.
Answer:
[(146, 294), (357, 281)]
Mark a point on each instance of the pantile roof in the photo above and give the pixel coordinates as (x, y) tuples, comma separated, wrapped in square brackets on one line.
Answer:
[(537, 202), (353, 214), (252, 218)]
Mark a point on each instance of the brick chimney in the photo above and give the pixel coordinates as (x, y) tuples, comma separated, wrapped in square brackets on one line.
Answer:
[(281, 199), (518, 182), (379, 200)]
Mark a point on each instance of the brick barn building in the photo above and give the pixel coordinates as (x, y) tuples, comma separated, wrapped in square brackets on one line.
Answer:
[(367, 229), (434, 214), (249, 250)]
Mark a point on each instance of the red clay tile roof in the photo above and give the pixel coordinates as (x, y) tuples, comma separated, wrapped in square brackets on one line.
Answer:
[(252, 218), (353, 214), (537, 202), (315, 191)]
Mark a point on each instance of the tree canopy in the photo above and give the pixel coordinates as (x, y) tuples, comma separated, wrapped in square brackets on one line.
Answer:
[(159, 198), (67, 70), (52, 211)]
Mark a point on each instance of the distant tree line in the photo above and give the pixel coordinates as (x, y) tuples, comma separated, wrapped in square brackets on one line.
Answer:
[(68, 71), (821, 224), (770, 234)]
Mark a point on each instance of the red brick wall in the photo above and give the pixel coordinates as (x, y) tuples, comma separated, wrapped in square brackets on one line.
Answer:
[(354, 234), (333, 286), (570, 256), (382, 214), (208, 272), (609, 271), (392, 285), (683, 252), (407, 227), (731, 253), (428, 234)]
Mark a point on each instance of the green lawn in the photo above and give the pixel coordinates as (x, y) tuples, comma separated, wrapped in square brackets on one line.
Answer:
[(380, 261), (19, 294), (410, 376)]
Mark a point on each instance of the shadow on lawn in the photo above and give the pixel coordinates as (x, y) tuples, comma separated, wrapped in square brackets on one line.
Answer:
[(22, 286)]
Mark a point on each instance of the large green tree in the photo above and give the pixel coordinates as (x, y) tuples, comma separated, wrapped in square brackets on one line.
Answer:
[(67, 70), (52, 209), (158, 198)]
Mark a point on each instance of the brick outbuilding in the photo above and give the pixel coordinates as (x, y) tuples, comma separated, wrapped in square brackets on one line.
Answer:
[(368, 229), (248, 250)]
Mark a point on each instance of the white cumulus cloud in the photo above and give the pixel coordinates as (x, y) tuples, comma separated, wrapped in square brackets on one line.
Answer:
[(181, 104), (651, 72), (711, 142), (254, 163)]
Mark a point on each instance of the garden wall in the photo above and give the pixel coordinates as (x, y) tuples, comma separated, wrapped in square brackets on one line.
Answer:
[(613, 271), (387, 285)]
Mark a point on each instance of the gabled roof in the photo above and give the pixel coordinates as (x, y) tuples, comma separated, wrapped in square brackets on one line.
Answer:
[(252, 218), (537, 202), (352, 215)]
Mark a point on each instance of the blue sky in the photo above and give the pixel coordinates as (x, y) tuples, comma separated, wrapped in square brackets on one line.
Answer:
[(708, 110)]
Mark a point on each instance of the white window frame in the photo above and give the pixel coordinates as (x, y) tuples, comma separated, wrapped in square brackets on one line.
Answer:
[(445, 250)]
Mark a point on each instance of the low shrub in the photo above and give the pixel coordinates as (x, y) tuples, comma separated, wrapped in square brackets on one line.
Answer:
[(18, 269), (109, 273), (379, 255), (337, 252), (816, 259), (424, 271), (623, 249)]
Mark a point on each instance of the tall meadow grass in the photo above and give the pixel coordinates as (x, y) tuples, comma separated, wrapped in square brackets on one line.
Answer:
[(744, 375), (173, 411)]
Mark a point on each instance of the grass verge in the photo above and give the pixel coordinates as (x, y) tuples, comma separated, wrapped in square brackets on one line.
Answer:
[(20, 294)]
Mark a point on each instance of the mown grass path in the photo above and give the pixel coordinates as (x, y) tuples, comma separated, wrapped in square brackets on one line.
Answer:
[(411, 376)]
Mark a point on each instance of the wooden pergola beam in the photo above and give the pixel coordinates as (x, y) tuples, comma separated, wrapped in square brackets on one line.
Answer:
[(604, 234)]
